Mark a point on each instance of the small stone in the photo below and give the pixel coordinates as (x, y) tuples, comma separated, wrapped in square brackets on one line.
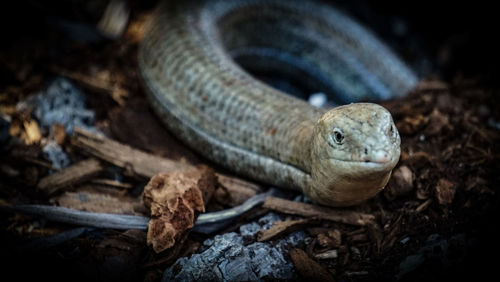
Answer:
[(400, 184), (318, 99), (61, 103)]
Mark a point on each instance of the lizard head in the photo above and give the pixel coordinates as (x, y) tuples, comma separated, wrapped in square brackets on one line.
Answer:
[(354, 149)]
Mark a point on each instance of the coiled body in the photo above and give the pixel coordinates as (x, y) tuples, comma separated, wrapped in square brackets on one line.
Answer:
[(188, 64)]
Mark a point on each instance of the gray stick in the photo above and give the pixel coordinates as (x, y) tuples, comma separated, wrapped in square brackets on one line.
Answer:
[(206, 223)]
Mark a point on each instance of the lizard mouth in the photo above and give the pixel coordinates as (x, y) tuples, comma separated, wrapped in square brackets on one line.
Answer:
[(387, 164)]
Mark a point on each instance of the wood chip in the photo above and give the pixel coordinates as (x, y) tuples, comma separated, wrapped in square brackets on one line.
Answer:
[(330, 239), (33, 134), (234, 191), (281, 227), (424, 205), (58, 133), (99, 203), (309, 269), (74, 174), (135, 162), (331, 254), (139, 163), (174, 199), (338, 215), (445, 191), (112, 183), (438, 124)]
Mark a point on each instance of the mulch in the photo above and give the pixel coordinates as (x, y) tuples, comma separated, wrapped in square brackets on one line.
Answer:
[(439, 208)]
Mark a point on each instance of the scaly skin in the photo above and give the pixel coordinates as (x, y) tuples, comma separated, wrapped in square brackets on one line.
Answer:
[(224, 113)]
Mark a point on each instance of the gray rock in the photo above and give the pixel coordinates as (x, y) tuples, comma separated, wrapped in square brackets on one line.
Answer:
[(56, 155), (227, 258), (61, 103)]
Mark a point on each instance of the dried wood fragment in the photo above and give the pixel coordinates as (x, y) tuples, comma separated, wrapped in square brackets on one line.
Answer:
[(330, 254), (99, 203), (330, 239), (145, 165), (308, 268), (174, 200), (135, 162), (234, 191), (72, 175), (445, 191), (33, 134), (281, 227), (424, 205), (58, 133), (307, 210), (111, 183)]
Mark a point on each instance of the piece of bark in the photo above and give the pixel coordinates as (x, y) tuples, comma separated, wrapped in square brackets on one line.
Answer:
[(111, 183), (234, 191), (330, 254), (424, 205), (309, 269), (281, 227), (58, 133), (439, 123), (445, 191), (330, 239), (145, 165), (99, 203), (307, 210), (74, 174), (134, 161), (174, 200), (33, 134)]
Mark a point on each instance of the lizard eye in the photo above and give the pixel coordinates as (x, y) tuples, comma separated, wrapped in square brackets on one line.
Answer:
[(338, 136)]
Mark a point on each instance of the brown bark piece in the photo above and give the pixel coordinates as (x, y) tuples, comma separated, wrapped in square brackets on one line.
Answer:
[(136, 162), (174, 199), (280, 228), (344, 216), (33, 134), (234, 191), (99, 203), (445, 191), (72, 175), (330, 239), (58, 133), (309, 269)]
